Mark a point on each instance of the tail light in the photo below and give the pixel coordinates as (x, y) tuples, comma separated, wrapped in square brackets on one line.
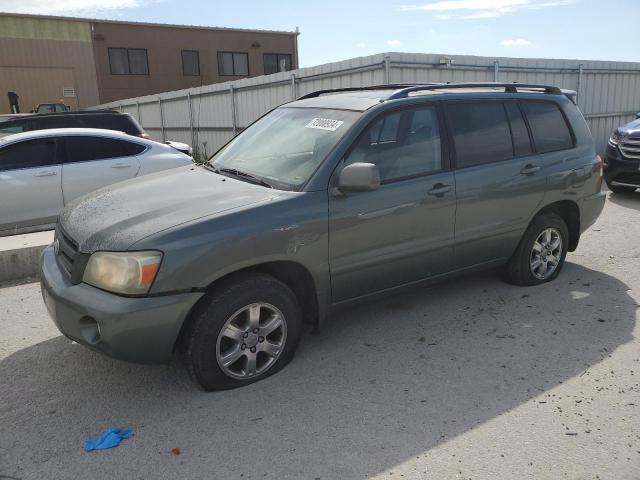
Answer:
[(599, 169)]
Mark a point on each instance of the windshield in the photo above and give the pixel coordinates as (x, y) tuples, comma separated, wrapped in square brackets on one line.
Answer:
[(285, 147)]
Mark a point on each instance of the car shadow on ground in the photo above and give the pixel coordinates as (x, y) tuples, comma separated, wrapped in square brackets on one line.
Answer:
[(382, 383), (627, 200)]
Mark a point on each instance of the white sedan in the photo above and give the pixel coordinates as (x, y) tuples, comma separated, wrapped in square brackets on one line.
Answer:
[(43, 170)]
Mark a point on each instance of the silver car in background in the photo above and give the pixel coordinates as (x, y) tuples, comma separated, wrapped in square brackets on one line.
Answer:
[(42, 171)]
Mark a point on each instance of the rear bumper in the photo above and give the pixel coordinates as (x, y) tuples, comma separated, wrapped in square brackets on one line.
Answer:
[(142, 330), (590, 209)]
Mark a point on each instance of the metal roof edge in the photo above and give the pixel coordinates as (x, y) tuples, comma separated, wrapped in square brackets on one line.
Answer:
[(145, 24)]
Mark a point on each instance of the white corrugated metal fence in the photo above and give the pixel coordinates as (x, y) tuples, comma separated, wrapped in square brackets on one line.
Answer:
[(208, 116)]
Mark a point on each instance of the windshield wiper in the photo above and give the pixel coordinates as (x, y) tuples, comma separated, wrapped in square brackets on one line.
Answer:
[(243, 175)]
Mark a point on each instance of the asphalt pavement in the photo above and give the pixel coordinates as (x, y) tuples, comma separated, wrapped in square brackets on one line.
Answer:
[(470, 379)]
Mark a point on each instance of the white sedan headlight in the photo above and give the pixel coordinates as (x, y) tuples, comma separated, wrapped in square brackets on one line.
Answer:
[(127, 273)]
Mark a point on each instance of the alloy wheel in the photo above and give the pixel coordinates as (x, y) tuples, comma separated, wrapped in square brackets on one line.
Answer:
[(251, 341), (546, 254)]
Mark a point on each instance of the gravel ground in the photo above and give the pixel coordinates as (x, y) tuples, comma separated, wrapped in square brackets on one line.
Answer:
[(472, 378)]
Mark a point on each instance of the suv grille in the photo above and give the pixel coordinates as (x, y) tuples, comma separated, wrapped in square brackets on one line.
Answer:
[(66, 252), (630, 148), (628, 177)]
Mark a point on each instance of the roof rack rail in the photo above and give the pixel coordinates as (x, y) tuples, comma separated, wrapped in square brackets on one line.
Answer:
[(389, 86), (71, 112), (508, 88), (404, 89)]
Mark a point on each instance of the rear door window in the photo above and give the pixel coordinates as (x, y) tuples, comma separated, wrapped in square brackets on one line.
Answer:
[(36, 153), (548, 126), (480, 132), (87, 148), (519, 132)]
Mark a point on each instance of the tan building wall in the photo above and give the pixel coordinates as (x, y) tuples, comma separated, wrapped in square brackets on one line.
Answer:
[(39, 57), (164, 45)]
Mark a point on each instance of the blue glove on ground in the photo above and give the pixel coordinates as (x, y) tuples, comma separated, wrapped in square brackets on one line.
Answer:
[(108, 439)]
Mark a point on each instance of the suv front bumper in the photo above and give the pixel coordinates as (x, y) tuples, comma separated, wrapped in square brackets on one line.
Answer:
[(142, 330), (619, 170)]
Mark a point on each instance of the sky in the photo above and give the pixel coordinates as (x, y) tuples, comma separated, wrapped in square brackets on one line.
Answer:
[(335, 30)]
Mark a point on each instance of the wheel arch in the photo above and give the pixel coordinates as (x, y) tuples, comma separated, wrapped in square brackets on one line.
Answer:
[(293, 274), (570, 213)]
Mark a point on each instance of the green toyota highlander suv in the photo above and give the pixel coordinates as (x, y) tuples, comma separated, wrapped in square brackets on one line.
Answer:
[(335, 198)]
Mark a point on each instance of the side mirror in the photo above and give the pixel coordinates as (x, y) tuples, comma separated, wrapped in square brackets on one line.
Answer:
[(181, 147), (638, 115), (359, 177)]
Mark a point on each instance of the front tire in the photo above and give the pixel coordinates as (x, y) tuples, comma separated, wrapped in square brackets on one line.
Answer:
[(245, 331), (541, 252)]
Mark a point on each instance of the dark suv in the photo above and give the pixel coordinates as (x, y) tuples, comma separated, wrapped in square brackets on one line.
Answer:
[(622, 158), (105, 119), (335, 198)]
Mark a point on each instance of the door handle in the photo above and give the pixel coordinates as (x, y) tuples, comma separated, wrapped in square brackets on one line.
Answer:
[(439, 190), (121, 165), (44, 174), (530, 169)]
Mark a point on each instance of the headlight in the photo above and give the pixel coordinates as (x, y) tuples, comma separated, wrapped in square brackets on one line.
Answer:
[(128, 273), (615, 138)]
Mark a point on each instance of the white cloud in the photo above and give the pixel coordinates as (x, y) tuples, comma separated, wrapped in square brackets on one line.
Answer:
[(466, 5), (490, 14), (394, 43), (361, 45), (66, 7), (455, 9), (515, 42)]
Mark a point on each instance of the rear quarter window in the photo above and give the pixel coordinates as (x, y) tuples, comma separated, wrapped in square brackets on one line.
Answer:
[(548, 126), (13, 126)]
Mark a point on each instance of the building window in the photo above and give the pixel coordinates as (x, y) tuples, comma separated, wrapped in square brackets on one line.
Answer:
[(128, 61), (276, 62), (233, 64), (190, 63)]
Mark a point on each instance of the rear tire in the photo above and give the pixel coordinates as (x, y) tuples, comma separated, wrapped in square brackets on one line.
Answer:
[(541, 252), (620, 189), (245, 331)]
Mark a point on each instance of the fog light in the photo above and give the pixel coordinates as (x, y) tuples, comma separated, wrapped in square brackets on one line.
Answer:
[(90, 330)]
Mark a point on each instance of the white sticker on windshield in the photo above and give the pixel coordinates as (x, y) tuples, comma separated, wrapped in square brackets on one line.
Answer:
[(324, 124)]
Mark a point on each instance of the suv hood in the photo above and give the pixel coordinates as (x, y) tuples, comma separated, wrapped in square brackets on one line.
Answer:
[(115, 217), (631, 128)]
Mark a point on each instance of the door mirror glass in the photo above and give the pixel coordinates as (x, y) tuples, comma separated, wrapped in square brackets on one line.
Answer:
[(359, 177)]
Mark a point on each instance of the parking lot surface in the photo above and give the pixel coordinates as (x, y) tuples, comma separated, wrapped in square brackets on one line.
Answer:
[(470, 379)]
